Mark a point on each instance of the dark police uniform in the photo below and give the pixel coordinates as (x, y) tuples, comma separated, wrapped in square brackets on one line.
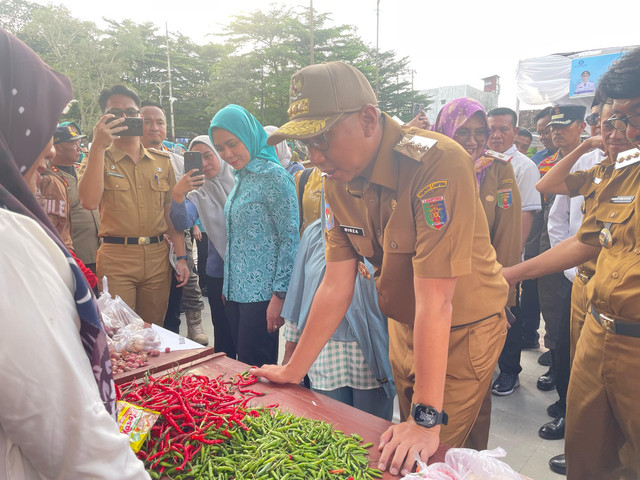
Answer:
[(416, 211)]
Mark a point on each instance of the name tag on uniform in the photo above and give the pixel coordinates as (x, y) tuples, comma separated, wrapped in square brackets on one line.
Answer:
[(353, 230), (622, 199), (115, 174), (628, 158)]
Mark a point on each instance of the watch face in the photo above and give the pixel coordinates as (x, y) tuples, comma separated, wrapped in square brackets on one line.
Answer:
[(425, 416)]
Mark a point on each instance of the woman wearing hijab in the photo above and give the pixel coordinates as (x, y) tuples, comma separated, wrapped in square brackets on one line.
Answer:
[(465, 120), (203, 197), (57, 402), (283, 152), (261, 215)]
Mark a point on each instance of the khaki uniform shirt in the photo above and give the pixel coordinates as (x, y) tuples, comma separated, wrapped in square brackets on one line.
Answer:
[(84, 223), (615, 283), (500, 198), (310, 196), (54, 199), (417, 214), (134, 195), (586, 183)]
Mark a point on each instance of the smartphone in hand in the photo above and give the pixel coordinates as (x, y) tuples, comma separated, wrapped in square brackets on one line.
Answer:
[(193, 160)]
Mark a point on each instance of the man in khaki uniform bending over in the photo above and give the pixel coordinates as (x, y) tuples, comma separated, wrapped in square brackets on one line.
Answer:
[(132, 186), (409, 203)]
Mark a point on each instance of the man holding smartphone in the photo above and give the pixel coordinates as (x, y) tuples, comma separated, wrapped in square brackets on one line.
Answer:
[(132, 187)]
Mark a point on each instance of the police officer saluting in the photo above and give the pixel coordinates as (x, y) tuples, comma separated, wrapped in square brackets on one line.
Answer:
[(409, 203)]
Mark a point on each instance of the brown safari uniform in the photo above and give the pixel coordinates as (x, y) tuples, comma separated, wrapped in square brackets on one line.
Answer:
[(54, 199), (84, 223), (416, 211), (603, 403), (584, 183), (132, 206), (500, 198)]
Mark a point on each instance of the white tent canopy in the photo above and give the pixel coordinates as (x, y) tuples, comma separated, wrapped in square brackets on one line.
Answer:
[(545, 80)]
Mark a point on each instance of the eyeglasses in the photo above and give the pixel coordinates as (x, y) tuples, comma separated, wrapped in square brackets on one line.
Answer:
[(319, 142), (607, 125), (129, 112), (593, 119), (621, 124), (465, 135)]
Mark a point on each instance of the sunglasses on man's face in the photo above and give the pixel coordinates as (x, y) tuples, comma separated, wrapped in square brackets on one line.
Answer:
[(593, 119)]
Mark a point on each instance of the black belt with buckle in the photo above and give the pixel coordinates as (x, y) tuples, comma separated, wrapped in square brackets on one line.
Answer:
[(628, 329), (133, 240)]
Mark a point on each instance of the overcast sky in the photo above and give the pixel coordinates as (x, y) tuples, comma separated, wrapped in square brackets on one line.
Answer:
[(449, 42)]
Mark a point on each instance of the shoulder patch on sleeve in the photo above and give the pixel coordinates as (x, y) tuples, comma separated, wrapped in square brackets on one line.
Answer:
[(627, 158), (328, 217), (435, 212), (414, 146), (499, 156), (432, 186), (505, 198)]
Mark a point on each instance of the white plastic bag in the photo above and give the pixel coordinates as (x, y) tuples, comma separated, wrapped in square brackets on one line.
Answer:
[(435, 471), (473, 465), (115, 313), (136, 340)]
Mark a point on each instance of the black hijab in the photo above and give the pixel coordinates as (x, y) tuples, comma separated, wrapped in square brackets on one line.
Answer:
[(32, 97)]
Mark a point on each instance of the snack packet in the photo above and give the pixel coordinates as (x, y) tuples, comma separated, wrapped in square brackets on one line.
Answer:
[(136, 422)]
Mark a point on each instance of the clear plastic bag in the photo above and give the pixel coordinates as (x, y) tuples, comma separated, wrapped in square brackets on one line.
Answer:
[(133, 339), (435, 471), (116, 314), (473, 465)]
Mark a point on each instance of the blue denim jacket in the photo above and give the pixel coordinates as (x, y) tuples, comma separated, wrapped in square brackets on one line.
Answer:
[(262, 220)]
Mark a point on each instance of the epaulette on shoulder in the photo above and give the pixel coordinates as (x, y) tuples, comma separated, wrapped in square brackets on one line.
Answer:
[(628, 157), (159, 152), (414, 146), (498, 156)]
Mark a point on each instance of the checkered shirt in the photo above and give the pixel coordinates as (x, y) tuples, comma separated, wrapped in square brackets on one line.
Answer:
[(339, 364)]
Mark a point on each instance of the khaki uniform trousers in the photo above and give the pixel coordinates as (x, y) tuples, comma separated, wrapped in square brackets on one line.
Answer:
[(140, 275), (603, 406), (579, 304), (473, 355)]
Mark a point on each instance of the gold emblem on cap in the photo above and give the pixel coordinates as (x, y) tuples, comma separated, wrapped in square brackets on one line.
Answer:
[(298, 108), (301, 128), (295, 89)]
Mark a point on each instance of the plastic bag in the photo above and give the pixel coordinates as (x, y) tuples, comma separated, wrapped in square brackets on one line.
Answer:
[(115, 312), (473, 465), (136, 422), (435, 471), (134, 339)]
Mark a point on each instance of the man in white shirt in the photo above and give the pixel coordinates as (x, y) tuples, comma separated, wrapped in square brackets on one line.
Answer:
[(502, 123)]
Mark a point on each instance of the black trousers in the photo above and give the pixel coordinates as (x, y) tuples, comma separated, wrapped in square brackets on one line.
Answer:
[(203, 253), (254, 344), (529, 310), (562, 357), (172, 317), (222, 338), (509, 360)]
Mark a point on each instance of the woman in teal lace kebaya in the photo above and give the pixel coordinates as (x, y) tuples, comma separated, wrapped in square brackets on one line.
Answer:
[(262, 218)]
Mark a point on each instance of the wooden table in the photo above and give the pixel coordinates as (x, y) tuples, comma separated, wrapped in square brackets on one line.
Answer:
[(298, 400)]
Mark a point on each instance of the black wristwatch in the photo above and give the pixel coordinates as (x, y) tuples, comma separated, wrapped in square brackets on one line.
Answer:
[(427, 416), (280, 295)]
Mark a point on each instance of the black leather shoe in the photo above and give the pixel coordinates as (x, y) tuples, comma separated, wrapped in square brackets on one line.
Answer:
[(530, 344), (547, 381), (558, 464), (555, 410), (545, 359), (554, 430)]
